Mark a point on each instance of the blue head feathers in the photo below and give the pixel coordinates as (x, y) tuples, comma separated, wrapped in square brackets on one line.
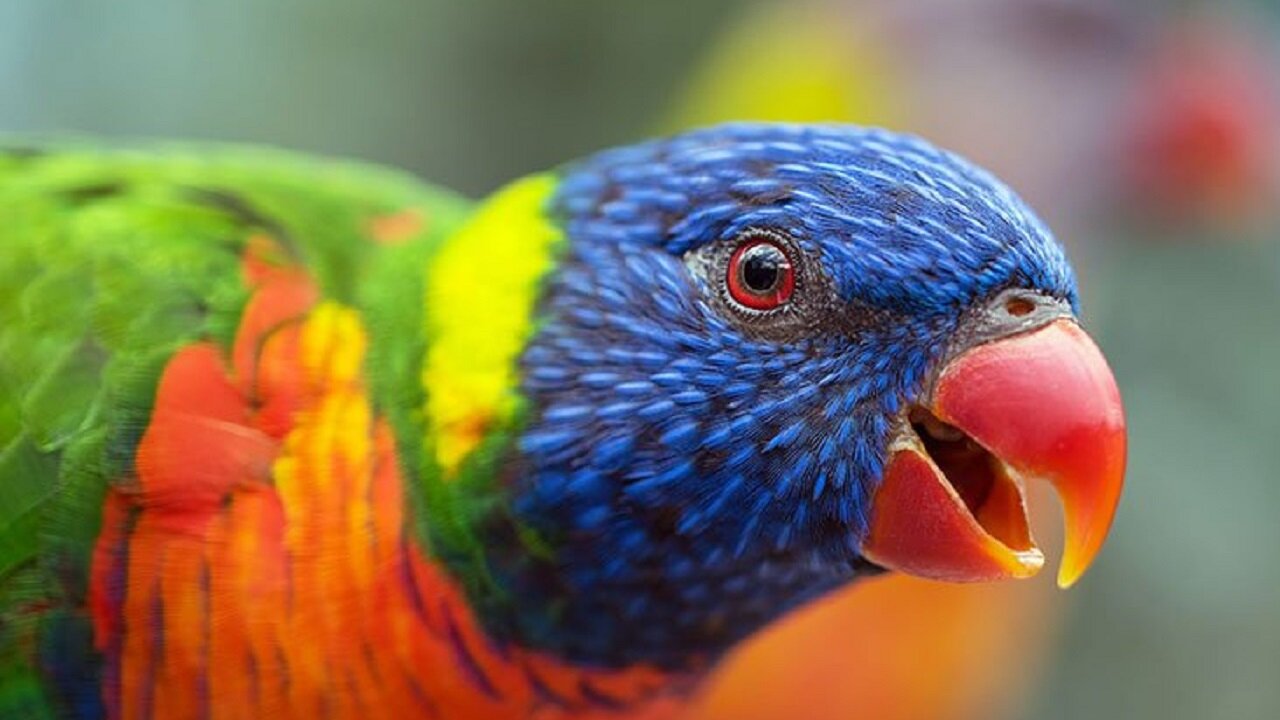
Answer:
[(696, 465)]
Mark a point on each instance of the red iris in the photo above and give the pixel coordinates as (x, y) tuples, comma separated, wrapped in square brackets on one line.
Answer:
[(760, 274)]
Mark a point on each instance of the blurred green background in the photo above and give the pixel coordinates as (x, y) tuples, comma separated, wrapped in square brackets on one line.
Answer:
[(468, 93), (1146, 133)]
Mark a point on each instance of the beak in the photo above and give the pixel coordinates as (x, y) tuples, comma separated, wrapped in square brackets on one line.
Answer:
[(1039, 404)]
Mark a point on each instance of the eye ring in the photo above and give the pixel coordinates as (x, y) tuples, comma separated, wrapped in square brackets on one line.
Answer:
[(760, 275)]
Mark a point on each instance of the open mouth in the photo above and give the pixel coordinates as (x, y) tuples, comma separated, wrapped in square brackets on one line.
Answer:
[(989, 490), (1040, 405), (949, 508)]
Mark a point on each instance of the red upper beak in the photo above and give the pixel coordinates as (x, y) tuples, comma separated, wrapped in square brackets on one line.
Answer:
[(1038, 404)]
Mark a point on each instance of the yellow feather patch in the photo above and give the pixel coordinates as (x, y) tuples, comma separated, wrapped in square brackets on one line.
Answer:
[(480, 291)]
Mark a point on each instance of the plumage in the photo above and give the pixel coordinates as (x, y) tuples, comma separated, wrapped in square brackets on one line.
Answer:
[(290, 437)]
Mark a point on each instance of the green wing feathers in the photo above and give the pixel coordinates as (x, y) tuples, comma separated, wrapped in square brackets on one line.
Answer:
[(109, 262)]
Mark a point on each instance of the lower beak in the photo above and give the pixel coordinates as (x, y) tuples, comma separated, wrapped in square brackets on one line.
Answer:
[(1038, 405)]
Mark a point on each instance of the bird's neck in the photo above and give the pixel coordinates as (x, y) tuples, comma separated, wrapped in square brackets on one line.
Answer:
[(456, 411), (465, 672), (491, 520)]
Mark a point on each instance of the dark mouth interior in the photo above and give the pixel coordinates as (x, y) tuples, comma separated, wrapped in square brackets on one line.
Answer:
[(978, 477)]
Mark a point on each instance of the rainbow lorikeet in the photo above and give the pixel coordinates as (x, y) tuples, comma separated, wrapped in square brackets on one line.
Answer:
[(286, 437)]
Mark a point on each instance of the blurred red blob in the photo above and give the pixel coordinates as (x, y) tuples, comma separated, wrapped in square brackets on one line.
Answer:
[(1204, 140)]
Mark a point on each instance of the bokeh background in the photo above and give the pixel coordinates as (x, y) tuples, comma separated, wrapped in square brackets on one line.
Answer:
[(1146, 133)]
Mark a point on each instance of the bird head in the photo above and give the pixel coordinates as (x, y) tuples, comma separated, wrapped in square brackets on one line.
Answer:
[(773, 358)]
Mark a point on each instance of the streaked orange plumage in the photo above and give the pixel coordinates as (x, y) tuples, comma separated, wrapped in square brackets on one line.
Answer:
[(265, 551)]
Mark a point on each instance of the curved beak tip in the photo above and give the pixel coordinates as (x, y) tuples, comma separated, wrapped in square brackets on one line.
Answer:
[(1069, 575), (1041, 405)]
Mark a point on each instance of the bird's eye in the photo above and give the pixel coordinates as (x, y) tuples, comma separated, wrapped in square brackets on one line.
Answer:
[(760, 274)]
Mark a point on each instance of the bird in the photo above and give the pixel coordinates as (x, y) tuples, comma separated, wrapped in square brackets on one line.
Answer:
[(291, 437)]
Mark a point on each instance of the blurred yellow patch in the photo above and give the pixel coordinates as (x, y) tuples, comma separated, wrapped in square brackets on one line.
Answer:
[(786, 64)]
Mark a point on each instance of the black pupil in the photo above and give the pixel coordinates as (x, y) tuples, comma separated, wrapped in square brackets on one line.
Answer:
[(762, 268)]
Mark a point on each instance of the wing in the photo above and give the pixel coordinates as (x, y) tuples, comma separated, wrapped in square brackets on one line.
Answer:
[(137, 293)]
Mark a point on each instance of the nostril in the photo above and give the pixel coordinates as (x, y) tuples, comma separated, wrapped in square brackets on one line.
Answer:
[(1019, 306)]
